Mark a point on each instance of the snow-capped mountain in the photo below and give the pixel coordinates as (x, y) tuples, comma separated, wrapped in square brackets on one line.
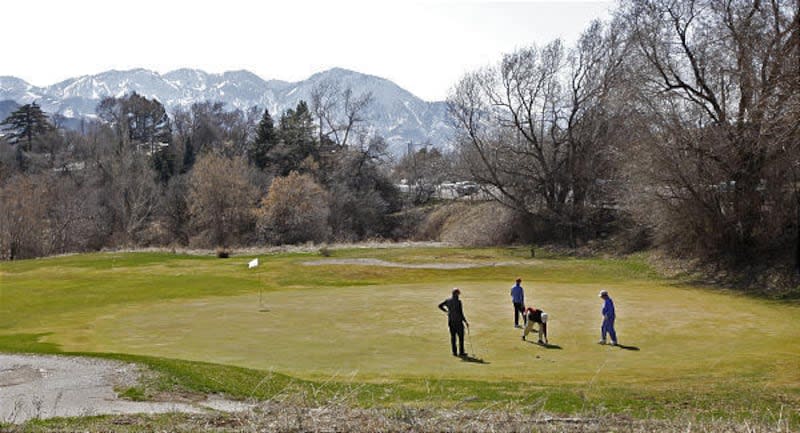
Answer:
[(394, 113)]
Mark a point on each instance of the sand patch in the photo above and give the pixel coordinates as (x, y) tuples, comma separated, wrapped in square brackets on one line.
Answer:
[(39, 387)]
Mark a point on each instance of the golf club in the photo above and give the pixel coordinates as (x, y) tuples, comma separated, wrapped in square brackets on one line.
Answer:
[(471, 347)]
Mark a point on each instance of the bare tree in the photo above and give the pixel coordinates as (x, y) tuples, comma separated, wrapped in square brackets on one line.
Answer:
[(340, 111), (136, 120), (536, 128), (132, 195), (423, 170), (174, 209), (221, 200), (717, 86), (22, 218)]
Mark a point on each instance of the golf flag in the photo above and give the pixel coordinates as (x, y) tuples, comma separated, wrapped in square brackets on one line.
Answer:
[(253, 263)]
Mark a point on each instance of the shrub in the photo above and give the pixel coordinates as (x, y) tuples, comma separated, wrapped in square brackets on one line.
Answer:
[(221, 200), (296, 210)]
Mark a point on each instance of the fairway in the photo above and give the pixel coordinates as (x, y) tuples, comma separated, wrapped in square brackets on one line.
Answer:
[(377, 324)]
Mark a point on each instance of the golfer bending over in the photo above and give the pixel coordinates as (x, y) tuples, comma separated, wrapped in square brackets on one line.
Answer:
[(455, 321), (532, 316), (608, 319)]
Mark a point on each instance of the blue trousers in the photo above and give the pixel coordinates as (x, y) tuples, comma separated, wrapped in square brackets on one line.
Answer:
[(608, 328)]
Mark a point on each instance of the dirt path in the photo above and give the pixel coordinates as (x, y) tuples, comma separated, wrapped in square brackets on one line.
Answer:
[(34, 386), (378, 262)]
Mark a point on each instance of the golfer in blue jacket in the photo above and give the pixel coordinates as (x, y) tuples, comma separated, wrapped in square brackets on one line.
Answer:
[(608, 319), (518, 299)]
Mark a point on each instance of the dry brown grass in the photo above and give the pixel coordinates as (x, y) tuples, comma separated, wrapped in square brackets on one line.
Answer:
[(468, 224), (295, 416)]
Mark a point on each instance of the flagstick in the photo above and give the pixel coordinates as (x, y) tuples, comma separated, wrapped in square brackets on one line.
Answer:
[(251, 265)]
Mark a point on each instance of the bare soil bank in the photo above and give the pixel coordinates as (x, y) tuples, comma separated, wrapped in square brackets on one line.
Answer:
[(40, 387)]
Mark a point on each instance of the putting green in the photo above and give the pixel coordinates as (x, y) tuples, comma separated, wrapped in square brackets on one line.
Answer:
[(371, 323)]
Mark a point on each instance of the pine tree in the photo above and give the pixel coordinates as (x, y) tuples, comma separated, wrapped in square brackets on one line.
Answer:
[(298, 139), (26, 123), (137, 120), (265, 141)]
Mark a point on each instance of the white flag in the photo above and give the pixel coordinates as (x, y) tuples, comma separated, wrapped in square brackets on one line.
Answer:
[(252, 264)]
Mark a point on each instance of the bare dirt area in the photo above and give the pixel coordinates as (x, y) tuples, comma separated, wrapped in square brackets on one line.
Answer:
[(309, 247), (384, 263), (40, 387)]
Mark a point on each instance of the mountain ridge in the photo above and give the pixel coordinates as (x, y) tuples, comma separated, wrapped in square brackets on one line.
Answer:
[(395, 113)]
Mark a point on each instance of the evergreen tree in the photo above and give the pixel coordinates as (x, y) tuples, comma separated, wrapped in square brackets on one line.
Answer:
[(265, 141), (298, 140), (163, 160), (137, 120), (189, 156), (26, 123)]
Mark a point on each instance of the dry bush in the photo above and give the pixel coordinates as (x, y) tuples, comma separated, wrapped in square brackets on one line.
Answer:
[(22, 218), (221, 200), (46, 213), (465, 224), (296, 210)]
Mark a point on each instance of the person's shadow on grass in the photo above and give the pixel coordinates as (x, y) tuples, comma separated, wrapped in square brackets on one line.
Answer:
[(467, 358), (546, 345), (622, 346)]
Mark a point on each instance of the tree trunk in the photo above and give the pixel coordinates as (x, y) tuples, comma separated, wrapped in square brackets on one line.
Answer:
[(797, 233)]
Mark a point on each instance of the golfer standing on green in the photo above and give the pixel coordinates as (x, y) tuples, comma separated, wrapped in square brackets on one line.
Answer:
[(455, 321), (518, 299), (609, 315)]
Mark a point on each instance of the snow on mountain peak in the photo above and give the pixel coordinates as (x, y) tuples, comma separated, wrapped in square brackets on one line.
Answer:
[(394, 113)]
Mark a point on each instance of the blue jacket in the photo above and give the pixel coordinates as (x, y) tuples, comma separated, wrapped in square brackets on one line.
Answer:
[(608, 308), (517, 295)]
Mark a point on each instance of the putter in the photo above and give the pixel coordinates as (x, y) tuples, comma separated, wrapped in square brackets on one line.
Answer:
[(471, 347)]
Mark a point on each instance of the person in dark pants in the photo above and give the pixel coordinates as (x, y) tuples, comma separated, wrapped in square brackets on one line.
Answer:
[(518, 299), (455, 321), (609, 315)]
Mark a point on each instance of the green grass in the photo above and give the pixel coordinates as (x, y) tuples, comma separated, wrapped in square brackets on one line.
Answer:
[(374, 335)]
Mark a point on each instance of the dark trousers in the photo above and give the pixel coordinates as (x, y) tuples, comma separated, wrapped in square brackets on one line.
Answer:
[(457, 329), (519, 310)]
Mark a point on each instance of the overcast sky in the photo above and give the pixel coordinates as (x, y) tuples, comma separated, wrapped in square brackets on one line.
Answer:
[(424, 46)]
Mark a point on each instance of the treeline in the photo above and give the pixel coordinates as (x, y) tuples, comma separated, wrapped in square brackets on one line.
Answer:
[(675, 122), (204, 177)]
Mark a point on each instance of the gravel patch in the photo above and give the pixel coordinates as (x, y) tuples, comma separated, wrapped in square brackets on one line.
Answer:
[(39, 387)]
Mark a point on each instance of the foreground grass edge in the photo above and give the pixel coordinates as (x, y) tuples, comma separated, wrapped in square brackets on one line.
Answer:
[(169, 377)]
